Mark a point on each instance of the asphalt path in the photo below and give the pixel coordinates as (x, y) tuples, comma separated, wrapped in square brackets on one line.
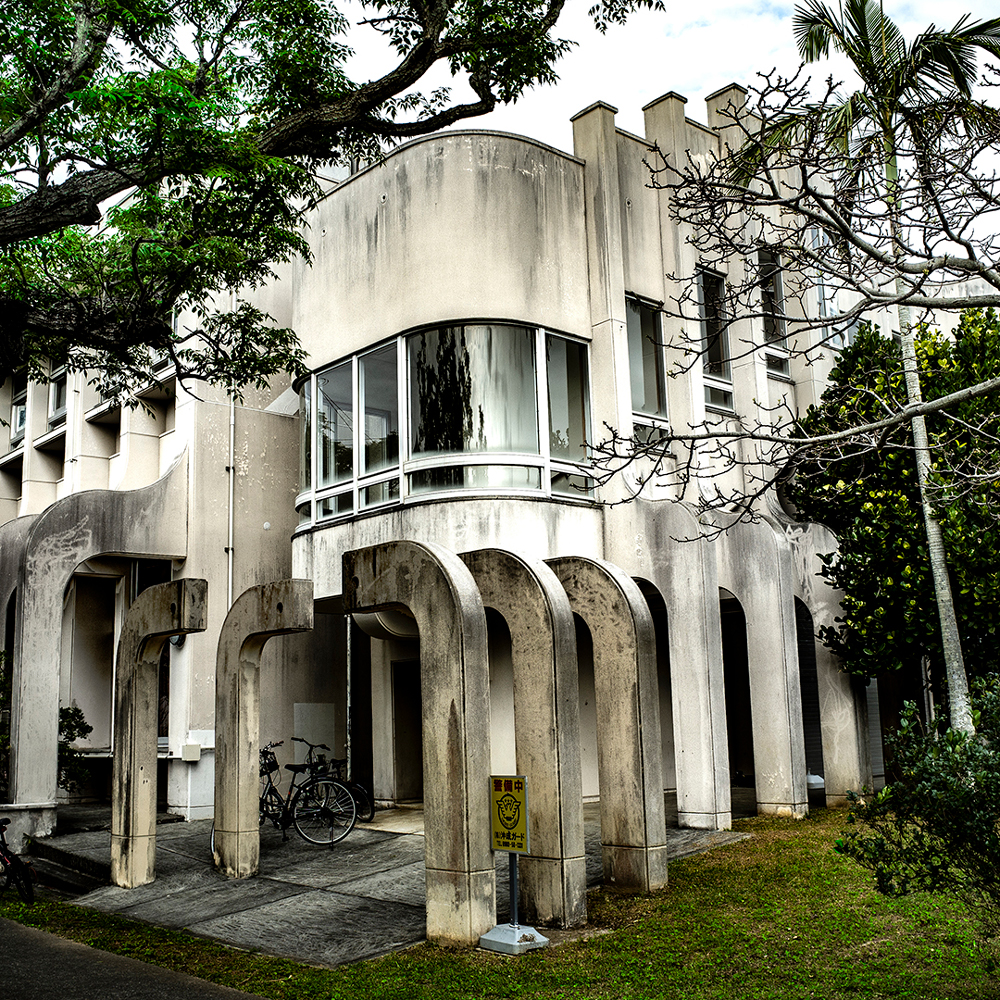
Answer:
[(40, 966)]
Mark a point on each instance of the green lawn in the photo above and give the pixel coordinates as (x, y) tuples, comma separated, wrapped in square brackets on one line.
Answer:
[(780, 915)]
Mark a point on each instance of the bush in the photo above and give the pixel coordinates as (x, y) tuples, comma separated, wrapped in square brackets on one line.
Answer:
[(934, 826), (72, 726)]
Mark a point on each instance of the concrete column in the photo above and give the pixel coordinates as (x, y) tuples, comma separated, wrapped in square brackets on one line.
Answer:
[(755, 565), (553, 878), (256, 615), (434, 585), (630, 766), (843, 709), (159, 612)]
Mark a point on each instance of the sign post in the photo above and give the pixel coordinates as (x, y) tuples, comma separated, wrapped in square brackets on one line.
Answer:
[(509, 832)]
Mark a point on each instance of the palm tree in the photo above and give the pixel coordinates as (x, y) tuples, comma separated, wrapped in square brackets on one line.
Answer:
[(904, 88)]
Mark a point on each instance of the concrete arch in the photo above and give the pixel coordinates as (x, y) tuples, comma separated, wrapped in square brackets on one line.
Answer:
[(435, 586), (257, 615), (756, 566), (150, 522), (633, 832), (553, 878), (662, 542), (160, 611)]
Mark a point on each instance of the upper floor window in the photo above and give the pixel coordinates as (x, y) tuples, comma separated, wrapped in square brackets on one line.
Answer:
[(57, 397), (715, 335), (445, 408), (772, 312), (18, 412)]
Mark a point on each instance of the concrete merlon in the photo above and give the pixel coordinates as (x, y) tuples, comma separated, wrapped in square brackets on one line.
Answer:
[(596, 106)]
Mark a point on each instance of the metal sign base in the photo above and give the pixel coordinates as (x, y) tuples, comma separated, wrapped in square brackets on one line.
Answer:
[(512, 939)]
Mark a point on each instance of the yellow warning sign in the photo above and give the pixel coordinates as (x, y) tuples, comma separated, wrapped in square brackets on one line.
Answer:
[(509, 811)]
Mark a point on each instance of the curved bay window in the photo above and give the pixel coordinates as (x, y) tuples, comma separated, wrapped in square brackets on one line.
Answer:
[(446, 409)]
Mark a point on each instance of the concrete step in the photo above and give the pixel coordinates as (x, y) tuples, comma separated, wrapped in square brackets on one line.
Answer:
[(62, 882), (45, 849)]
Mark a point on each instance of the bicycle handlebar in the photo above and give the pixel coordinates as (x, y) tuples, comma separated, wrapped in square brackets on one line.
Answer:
[(312, 746)]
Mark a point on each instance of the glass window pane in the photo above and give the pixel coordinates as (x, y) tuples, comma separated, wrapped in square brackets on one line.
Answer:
[(335, 425), (305, 437), (569, 403), (342, 503), (472, 388), (713, 305), (381, 407), (386, 492), (570, 485), (645, 359), (476, 477)]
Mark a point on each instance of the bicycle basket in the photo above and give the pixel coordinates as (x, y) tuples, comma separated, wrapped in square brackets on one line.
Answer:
[(268, 764)]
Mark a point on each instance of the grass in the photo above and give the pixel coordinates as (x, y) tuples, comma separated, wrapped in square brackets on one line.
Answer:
[(780, 915)]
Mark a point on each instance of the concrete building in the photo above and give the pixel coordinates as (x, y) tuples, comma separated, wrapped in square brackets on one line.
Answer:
[(480, 305)]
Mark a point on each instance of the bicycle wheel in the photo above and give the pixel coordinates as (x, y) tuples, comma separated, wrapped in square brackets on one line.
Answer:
[(20, 874), (363, 801), (271, 807), (323, 811)]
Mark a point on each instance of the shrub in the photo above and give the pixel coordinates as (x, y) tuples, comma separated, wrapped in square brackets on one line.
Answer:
[(934, 826)]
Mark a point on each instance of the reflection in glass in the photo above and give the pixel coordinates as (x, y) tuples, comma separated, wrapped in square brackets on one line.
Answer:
[(380, 493), (567, 484), (336, 427), (305, 440), (645, 360), (475, 477), (381, 408), (569, 403), (342, 503), (472, 388)]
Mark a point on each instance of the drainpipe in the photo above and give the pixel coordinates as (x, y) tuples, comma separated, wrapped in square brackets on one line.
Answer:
[(231, 468)]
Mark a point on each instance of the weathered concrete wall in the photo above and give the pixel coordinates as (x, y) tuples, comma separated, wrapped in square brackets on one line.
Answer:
[(407, 242)]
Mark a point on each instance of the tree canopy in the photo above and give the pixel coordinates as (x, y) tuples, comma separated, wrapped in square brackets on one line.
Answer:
[(157, 156), (869, 496)]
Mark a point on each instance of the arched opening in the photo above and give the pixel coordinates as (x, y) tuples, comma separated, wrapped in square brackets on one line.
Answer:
[(588, 711), (503, 755), (658, 610), (809, 687), (739, 718)]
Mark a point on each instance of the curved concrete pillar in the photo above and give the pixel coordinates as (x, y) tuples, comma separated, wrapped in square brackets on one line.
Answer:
[(437, 589), (256, 615), (755, 565), (160, 611), (149, 523), (629, 761), (843, 709), (553, 878)]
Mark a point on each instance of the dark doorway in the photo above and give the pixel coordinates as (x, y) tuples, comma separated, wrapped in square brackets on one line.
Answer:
[(809, 686), (739, 718), (407, 731)]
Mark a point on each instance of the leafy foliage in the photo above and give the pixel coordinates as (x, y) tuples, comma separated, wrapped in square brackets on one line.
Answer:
[(935, 826), (72, 727), (869, 496), (193, 136)]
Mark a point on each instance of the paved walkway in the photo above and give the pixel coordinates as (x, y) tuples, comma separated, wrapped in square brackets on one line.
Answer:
[(360, 898)]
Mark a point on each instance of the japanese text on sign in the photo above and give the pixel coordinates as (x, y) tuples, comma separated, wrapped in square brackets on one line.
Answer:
[(509, 813)]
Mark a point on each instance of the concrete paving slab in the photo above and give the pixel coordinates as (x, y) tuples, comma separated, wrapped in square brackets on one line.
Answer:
[(320, 927), (405, 884), (114, 899), (227, 897)]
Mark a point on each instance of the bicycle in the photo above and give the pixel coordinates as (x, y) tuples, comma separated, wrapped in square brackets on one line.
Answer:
[(13, 870), (321, 808), (363, 798)]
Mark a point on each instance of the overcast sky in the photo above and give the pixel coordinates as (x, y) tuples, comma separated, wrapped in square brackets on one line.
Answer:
[(695, 48)]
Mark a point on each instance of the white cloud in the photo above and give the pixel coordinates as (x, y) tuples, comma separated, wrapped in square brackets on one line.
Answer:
[(694, 48)]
